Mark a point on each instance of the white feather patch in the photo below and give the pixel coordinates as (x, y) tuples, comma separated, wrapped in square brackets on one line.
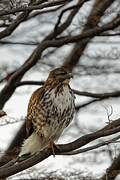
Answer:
[(31, 145)]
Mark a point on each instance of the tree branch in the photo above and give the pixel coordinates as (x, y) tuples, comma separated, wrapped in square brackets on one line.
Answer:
[(21, 17), (112, 128), (9, 30), (93, 20), (96, 31), (37, 13), (113, 140), (32, 7), (77, 92), (77, 6), (113, 170)]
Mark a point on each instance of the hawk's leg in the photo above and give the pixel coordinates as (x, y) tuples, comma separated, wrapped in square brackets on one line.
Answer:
[(53, 146)]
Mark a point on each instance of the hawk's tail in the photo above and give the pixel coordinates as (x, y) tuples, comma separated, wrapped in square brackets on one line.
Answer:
[(32, 145)]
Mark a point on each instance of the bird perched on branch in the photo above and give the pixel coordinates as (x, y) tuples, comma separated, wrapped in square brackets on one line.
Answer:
[(50, 111)]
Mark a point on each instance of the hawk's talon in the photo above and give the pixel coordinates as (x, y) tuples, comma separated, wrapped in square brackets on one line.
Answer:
[(53, 146)]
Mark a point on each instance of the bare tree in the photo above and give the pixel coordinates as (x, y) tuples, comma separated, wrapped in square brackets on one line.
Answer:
[(101, 22)]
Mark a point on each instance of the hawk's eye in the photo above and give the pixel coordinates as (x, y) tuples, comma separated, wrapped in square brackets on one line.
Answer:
[(63, 73)]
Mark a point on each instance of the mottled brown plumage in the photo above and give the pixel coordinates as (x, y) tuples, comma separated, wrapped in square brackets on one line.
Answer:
[(50, 111)]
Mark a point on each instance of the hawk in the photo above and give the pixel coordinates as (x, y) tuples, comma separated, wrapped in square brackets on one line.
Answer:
[(50, 111)]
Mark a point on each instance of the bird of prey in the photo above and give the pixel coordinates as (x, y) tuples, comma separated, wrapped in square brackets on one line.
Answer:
[(50, 111)]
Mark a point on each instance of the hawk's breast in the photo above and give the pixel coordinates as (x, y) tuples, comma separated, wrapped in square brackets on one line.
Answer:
[(60, 106)]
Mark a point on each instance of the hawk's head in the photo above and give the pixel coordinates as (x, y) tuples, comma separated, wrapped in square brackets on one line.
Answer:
[(60, 75)]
